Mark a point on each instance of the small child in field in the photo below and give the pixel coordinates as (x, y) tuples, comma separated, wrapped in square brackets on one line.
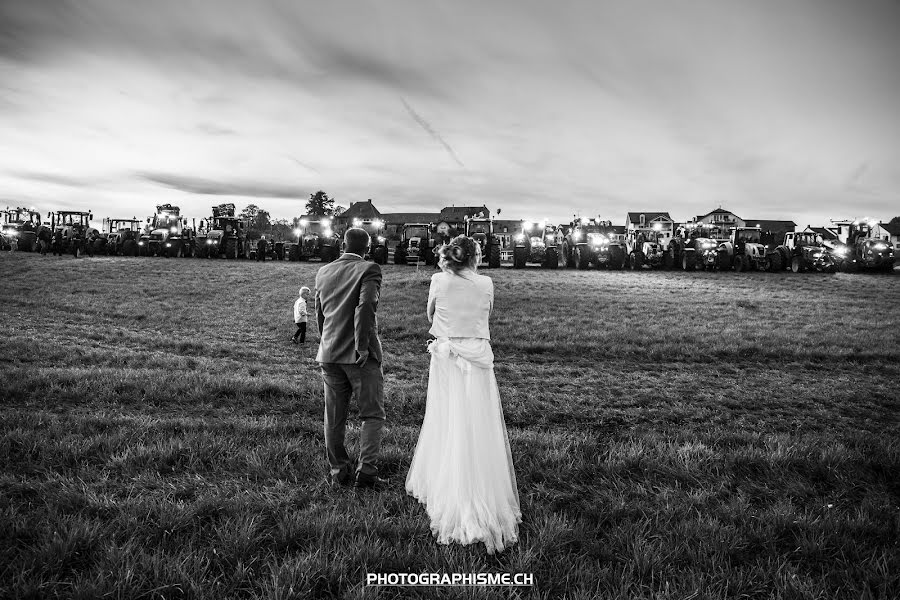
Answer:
[(300, 315)]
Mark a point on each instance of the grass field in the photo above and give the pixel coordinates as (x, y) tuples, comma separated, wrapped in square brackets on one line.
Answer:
[(675, 435)]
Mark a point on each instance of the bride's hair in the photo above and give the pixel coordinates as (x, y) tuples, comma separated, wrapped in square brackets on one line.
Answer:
[(460, 253)]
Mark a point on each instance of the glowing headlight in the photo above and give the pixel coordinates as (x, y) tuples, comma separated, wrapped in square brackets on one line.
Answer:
[(140, 243), (298, 232), (327, 222), (12, 233), (209, 242), (817, 255), (579, 236), (305, 222), (377, 224), (840, 251), (520, 238), (880, 246), (168, 244), (326, 232), (380, 239), (357, 222), (173, 229)]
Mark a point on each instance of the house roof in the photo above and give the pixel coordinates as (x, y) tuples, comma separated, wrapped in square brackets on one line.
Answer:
[(891, 228), (827, 234), (409, 217), (770, 225), (457, 213), (649, 217), (719, 210), (361, 210)]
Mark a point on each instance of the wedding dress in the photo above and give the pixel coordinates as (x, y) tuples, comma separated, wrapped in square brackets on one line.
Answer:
[(462, 469)]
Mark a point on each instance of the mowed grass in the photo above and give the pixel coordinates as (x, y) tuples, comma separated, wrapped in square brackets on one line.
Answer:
[(675, 435)]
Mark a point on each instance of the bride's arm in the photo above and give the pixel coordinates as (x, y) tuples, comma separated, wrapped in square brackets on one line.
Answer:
[(432, 299), (490, 296)]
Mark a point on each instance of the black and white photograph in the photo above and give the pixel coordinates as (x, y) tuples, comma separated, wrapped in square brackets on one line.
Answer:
[(570, 299)]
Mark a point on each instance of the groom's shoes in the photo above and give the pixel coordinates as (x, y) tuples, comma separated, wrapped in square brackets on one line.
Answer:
[(343, 479), (369, 481)]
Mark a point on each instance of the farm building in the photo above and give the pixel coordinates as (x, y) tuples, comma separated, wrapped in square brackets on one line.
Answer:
[(721, 218), (892, 233), (636, 222), (772, 229), (828, 235), (395, 221), (358, 210)]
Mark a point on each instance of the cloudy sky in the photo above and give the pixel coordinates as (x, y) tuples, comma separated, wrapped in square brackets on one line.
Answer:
[(770, 108)]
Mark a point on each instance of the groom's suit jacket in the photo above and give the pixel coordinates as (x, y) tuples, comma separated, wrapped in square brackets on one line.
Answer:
[(347, 292)]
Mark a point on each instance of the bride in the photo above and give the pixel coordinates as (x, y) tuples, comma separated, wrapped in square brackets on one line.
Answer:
[(462, 468)]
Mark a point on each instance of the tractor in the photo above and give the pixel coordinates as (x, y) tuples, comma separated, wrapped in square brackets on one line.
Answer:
[(695, 248), (646, 248), (587, 242), (861, 251), (168, 234), (378, 251), (71, 229), (805, 251), (417, 244), (222, 234), (20, 229), (481, 229), (315, 239), (122, 236), (744, 250), (536, 243)]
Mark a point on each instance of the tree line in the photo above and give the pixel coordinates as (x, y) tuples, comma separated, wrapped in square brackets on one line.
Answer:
[(261, 222)]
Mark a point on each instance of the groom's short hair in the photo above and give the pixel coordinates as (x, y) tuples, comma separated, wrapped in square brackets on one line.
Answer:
[(356, 240)]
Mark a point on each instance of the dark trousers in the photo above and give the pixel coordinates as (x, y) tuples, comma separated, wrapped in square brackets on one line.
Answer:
[(342, 381), (301, 332)]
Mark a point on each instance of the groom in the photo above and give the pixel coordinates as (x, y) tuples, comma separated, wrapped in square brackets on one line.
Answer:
[(347, 292)]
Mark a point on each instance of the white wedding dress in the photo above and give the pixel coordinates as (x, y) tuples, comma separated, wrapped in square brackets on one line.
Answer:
[(462, 469)]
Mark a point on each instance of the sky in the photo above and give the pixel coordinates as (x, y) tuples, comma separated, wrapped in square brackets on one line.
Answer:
[(779, 109)]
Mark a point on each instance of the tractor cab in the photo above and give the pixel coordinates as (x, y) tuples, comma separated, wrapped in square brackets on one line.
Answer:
[(222, 234), (168, 233), (20, 226), (536, 243), (316, 238), (71, 228), (121, 235), (481, 229), (417, 243)]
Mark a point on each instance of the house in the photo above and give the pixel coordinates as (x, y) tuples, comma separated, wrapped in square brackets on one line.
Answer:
[(773, 229), (358, 210), (828, 235), (637, 222), (721, 218), (505, 230), (892, 230)]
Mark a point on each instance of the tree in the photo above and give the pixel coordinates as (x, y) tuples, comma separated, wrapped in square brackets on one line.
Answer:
[(258, 220), (320, 204), (894, 221), (338, 210)]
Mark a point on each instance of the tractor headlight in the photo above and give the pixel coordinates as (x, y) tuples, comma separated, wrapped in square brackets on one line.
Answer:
[(168, 244), (298, 232), (305, 222), (520, 238), (326, 232), (840, 251), (140, 243), (209, 242), (173, 229), (380, 239), (881, 246), (579, 236), (13, 233)]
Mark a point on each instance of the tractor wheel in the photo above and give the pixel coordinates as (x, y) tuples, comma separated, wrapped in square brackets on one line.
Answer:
[(776, 262), (582, 258), (739, 264), (76, 250), (669, 258), (231, 248), (637, 260), (568, 256), (688, 261), (551, 259), (399, 256), (129, 248), (797, 264), (519, 257), (888, 267), (494, 256), (379, 255)]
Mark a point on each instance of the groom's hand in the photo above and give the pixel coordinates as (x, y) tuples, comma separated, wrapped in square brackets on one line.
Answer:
[(363, 357)]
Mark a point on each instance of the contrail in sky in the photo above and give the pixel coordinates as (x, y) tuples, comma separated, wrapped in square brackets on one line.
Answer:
[(424, 124)]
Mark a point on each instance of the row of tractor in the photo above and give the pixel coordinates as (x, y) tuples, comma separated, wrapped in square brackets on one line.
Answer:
[(593, 243)]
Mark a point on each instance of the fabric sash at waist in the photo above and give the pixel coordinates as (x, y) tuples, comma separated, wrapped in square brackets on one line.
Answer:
[(468, 352)]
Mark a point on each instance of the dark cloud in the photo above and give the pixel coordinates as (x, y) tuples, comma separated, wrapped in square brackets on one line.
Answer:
[(199, 185), (61, 179)]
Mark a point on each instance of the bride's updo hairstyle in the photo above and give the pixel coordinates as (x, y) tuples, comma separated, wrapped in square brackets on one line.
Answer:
[(461, 253)]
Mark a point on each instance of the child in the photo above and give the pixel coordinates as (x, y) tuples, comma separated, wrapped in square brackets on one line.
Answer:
[(300, 315)]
